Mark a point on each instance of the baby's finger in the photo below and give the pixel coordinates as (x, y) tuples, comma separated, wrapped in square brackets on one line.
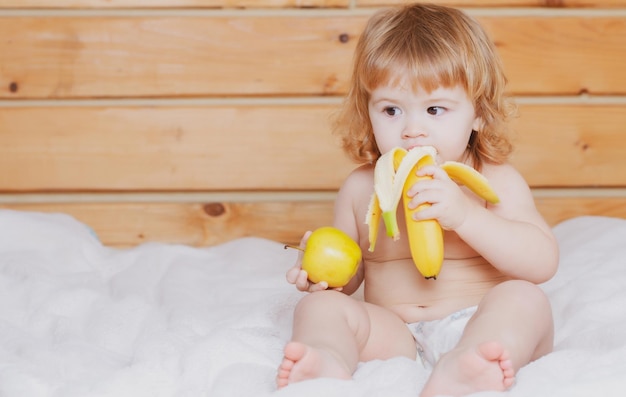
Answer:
[(304, 239), (302, 245), (292, 274), (434, 171), (321, 286), (302, 281)]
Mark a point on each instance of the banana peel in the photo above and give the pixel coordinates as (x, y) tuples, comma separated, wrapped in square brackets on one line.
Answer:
[(394, 174), (476, 182)]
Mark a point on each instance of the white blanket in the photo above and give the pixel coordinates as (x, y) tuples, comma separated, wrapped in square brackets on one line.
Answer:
[(80, 319)]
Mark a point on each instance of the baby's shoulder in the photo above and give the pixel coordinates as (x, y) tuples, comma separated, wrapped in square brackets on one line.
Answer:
[(362, 176), (509, 183), (505, 173), (359, 183)]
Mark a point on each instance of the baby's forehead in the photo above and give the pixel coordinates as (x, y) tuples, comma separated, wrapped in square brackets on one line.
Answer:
[(415, 79), (407, 87)]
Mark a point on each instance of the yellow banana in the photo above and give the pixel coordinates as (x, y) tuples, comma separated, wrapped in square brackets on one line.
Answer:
[(425, 236), (475, 181), (390, 173), (394, 174), (373, 221)]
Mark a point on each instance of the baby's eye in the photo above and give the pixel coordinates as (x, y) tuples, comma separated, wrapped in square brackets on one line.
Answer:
[(435, 110), (392, 110)]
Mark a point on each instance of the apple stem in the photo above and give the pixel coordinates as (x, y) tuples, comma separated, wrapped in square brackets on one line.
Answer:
[(294, 247)]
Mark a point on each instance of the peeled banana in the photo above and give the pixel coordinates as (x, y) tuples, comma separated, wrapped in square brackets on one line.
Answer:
[(394, 174)]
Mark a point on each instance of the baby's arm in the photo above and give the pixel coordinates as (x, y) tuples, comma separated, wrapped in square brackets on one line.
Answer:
[(511, 235), (344, 219)]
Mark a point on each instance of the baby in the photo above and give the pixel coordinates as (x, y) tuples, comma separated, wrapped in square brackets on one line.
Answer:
[(427, 75)]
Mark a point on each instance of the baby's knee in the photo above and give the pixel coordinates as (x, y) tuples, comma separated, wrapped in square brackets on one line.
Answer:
[(531, 301), (325, 300), (525, 294)]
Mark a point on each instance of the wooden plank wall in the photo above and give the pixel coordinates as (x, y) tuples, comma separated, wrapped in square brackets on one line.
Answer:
[(199, 121)]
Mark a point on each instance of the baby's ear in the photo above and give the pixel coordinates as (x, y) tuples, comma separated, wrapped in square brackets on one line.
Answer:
[(478, 124)]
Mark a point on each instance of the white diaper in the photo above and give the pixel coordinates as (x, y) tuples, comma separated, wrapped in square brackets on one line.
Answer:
[(437, 337)]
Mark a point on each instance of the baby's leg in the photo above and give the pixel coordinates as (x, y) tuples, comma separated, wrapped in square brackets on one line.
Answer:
[(301, 362), (332, 332), (512, 326)]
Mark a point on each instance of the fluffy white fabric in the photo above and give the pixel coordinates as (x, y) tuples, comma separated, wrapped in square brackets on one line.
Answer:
[(80, 319)]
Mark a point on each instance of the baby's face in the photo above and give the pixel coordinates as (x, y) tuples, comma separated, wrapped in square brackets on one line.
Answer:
[(443, 118)]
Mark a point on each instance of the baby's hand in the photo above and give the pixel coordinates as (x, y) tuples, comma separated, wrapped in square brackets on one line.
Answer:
[(300, 278), (449, 205)]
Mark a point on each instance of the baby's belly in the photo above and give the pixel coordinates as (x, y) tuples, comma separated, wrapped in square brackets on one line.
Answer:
[(398, 286)]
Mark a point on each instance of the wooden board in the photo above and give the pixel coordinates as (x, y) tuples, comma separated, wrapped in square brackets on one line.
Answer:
[(200, 224), (151, 4), (158, 107), (195, 224), (575, 145), (211, 148), (505, 3), (199, 56), (74, 4), (263, 147)]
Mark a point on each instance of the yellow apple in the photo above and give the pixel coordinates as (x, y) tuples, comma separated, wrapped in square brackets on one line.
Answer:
[(331, 255)]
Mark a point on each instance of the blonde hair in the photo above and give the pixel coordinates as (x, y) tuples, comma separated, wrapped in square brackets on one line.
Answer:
[(433, 46)]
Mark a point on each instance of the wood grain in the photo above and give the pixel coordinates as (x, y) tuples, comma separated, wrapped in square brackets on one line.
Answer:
[(202, 224), (197, 224), (559, 209), (173, 100), (573, 145), (86, 57), (212, 148), (151, 4), (200, 56), (264, 147), (504, 3)]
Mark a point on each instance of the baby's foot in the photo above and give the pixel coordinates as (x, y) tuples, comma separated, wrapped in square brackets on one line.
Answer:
[(303, 362), (465, 371)]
